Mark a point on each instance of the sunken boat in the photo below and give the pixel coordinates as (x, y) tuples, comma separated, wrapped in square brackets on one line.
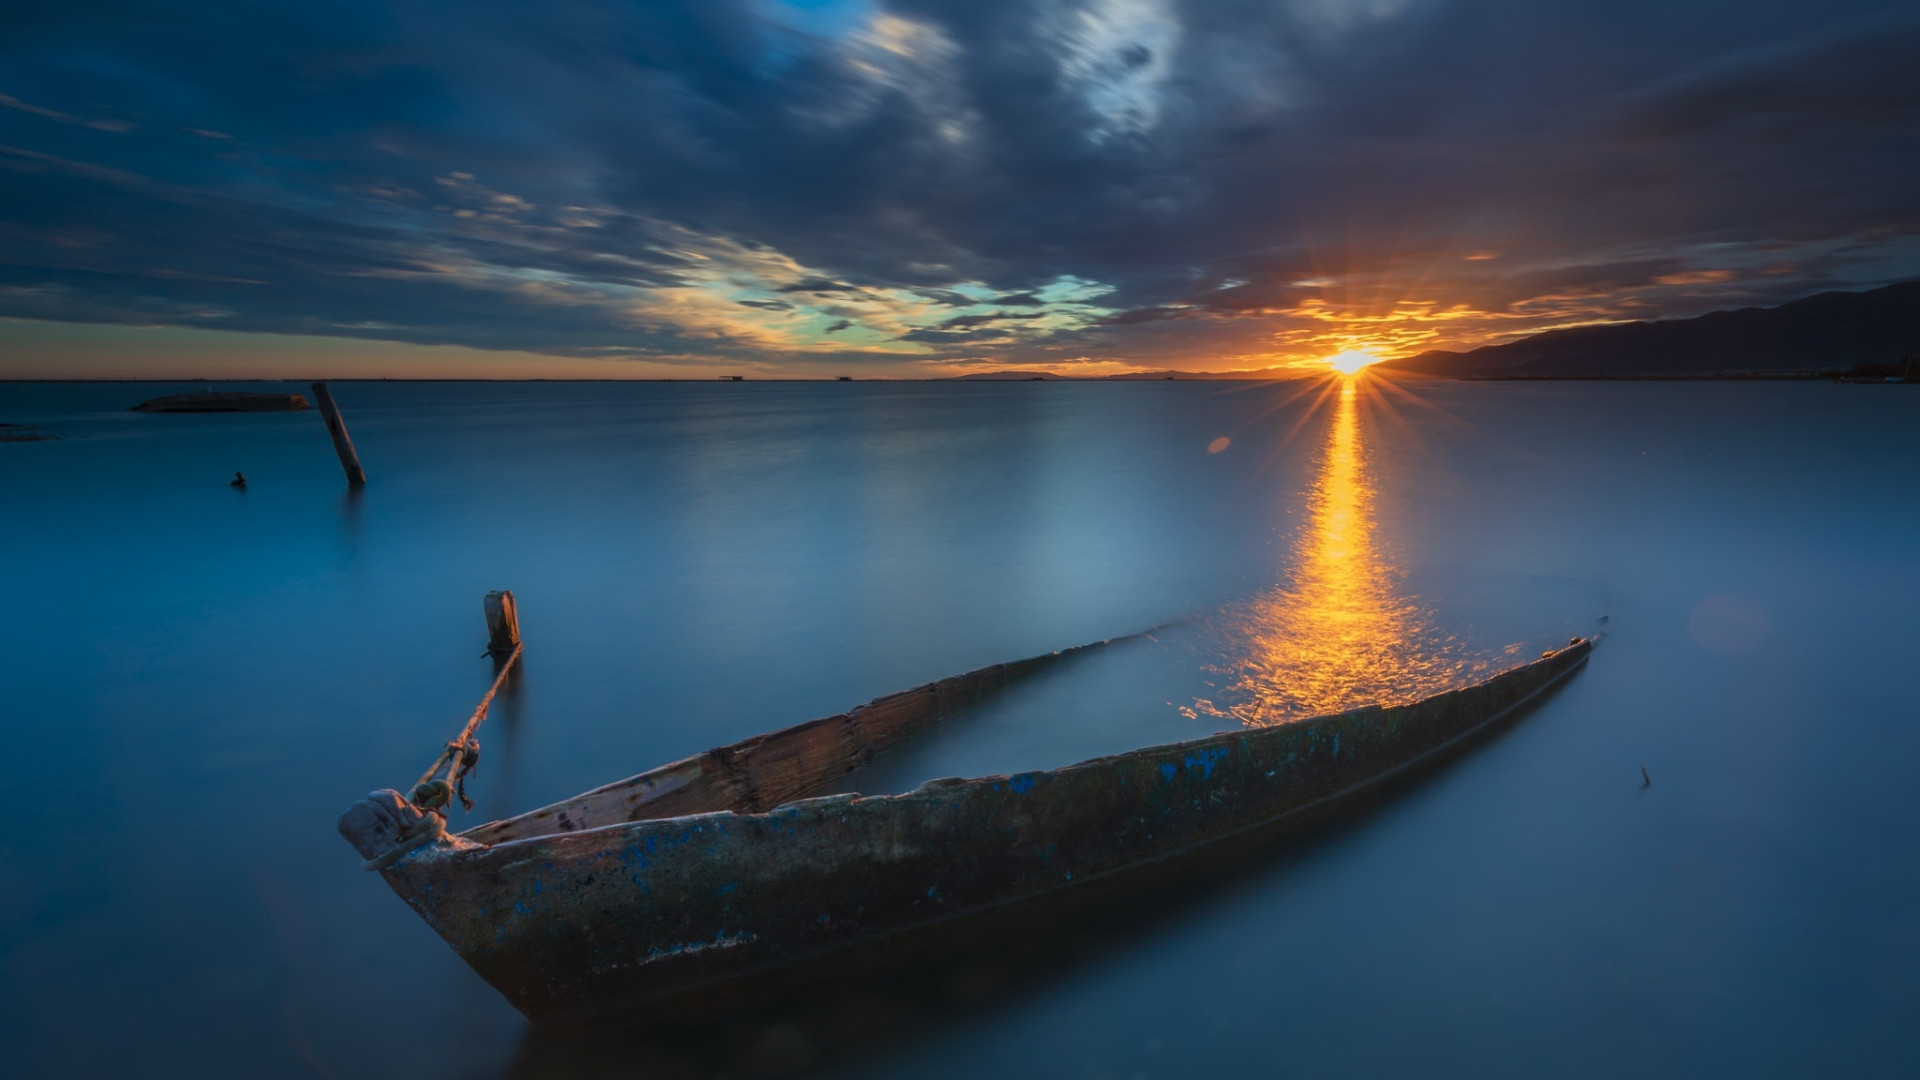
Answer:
[(224, 401), (727, 865)]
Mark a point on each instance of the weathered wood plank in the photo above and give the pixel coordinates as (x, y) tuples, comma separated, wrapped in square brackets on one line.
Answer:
[(795, 762), (337, 427), (767, 770), (503, 623)]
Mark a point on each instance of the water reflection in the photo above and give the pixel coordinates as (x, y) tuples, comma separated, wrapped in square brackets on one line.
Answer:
[(1341, 631), (353, 516)]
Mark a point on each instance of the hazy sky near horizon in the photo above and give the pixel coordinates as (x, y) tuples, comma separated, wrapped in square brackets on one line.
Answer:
[(821, 187)]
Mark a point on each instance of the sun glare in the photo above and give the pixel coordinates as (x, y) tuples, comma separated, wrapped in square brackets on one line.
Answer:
[(1351, 361)]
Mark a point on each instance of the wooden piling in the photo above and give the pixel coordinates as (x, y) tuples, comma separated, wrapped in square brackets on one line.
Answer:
[(503, 624), (337, 428)]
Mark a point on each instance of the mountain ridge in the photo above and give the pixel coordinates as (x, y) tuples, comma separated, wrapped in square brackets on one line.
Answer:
[(1828, 333)]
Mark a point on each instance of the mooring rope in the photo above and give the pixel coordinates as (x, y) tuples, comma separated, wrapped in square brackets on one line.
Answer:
[(463, 753), (433, 795)]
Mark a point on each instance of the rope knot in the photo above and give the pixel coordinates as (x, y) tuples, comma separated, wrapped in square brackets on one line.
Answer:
[(432, 794)]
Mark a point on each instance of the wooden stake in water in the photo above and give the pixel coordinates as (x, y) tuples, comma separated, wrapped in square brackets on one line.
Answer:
[(503, 624), (337, 428)]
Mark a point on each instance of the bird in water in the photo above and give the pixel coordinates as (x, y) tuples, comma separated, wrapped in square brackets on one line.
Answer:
[(239, 480)]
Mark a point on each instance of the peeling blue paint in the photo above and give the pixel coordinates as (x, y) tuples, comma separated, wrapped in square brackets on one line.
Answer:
[(1167, 771), (1205, 760), (1022, 784)]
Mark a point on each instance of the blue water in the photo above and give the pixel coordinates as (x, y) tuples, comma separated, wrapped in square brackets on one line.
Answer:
[(199, 679)]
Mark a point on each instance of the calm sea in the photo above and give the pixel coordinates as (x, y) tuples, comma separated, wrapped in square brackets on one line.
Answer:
[(198, 679)]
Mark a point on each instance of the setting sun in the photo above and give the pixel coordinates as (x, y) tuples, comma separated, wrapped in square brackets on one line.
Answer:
[(1351, 361)]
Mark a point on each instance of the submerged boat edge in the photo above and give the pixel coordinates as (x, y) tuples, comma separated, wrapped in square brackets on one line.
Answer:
[(570, 923)]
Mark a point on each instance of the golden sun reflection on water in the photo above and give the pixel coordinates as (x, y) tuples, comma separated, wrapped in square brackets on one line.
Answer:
[(1340, 632)]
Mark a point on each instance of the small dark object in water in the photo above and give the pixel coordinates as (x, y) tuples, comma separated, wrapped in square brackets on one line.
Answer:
[(1645, 780), (224, 401), (239, 480), (721, 865), (24, 433)]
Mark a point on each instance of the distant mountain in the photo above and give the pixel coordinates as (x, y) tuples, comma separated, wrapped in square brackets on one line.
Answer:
[(1009, 376), (1831, 332)]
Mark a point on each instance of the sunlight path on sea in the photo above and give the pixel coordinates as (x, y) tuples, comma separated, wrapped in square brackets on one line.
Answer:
[(1340, 630)]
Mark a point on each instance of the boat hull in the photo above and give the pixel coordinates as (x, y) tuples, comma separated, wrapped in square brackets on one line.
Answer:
[(580, 922)]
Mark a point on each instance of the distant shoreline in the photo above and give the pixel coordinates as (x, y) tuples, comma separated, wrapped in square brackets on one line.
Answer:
[(1735, 376)]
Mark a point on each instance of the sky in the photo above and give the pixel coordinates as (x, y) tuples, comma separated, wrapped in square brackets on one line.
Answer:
[(921, 188)]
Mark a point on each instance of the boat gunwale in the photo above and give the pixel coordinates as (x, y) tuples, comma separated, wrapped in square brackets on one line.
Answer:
[(696, 767), (437, 852)]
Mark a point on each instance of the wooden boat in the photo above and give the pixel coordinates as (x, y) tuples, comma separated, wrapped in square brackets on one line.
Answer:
[(721, 866), (224, 401)]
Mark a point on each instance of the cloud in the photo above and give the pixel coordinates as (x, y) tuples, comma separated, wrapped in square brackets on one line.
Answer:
[(1855, 76), (8, 101), (922, 182), (960, 322), (819, 285)]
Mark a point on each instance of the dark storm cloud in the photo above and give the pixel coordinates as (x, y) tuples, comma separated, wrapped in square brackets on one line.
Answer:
[(1147, 179), (952, 338), (1858, 77), (1148, 314), (819, 285), (962, 322)]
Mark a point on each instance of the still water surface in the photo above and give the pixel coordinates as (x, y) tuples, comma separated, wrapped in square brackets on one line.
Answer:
[(199, 679)]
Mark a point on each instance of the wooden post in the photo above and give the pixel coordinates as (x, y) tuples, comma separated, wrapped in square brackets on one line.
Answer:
[(337, 428), (503, 624)]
